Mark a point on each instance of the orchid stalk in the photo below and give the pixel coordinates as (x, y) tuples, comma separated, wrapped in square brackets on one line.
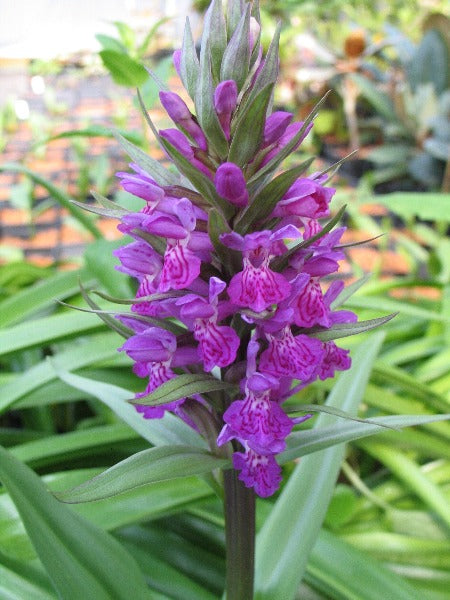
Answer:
[(231, 258)]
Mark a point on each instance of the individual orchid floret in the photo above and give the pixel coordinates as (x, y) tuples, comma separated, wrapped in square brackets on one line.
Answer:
[(153, 350), (181, 115), (275, 126), (218, 344), (230, 184), (309, 305), (257, 287), (291, 356), (181, 265), (225, 101), (305, 198), (257, 419), (140, 184)]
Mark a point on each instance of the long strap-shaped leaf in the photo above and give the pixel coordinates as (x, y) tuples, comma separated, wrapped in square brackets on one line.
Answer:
[(81, 560), (345, 572), (149, 466), (286, 539)]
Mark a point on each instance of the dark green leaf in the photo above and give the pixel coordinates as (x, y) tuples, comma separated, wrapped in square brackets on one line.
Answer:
[(306, 442), (204, 105), (169, 430), (235, 63), (189, 64), (81, 560), (183, 386), (249, 129), (340, 330), (214, 36), (340, 570)]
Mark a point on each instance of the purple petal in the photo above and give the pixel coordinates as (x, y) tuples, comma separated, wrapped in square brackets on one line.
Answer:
[(275, 126)]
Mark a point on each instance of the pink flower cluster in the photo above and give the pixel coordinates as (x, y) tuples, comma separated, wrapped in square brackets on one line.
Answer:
[(250, 319)]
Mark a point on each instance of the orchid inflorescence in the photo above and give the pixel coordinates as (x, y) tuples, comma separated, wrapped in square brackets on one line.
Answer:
[(230, 254)]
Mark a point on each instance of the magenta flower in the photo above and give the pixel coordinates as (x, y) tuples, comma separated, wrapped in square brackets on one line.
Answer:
[(257, 286), (230, 284), (218, 344)]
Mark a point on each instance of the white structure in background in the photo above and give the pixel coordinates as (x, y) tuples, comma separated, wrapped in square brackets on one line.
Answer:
[(48, 28)]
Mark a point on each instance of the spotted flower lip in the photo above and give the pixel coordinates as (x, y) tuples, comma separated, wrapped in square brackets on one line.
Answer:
[(220, 289)]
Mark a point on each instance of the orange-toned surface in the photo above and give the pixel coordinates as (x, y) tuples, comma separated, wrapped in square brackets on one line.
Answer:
[(47, 235)]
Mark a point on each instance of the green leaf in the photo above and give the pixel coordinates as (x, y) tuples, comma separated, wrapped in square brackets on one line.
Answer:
[(134, 137), (389, 153), (214, 38), (302, 443), (379, 100), (109, 43), (407, 471), (99, 347), (81, 560), (39, 332), (204, 105), (265, 202), (345, 329), (183, 386), (123, 69), (61, 197), (15, 584), (349, 290), (235, 62), (41, 296), (301, 507), (269, 72), (389, 304), (54, 449), (341, 571), (165, 431), (149, 466), (100, 261), (431, 206), (189, 64), (249, 129), (153, 167)]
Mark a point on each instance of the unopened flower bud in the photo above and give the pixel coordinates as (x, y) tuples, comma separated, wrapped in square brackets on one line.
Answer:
[(230, 184), (225, 100), (181, 115)]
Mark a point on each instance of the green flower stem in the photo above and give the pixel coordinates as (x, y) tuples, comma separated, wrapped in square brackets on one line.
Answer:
[(239, 507)]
